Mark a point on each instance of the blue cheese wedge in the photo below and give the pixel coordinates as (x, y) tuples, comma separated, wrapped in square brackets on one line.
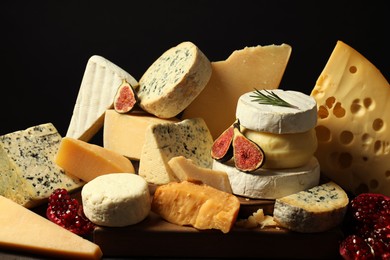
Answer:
[(314, 210), (28, 173), (99, 85), (189, 138), (278, 119), (174, 80)]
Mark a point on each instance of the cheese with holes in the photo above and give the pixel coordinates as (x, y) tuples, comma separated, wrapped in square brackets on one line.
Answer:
[(260, 67), (116, 199), (125, 133), (277, 119), (186, 170), (87, 161), (174, 80), (353, 128), (314, 210), (25, 231), (28, 173), (99, 85), (198, 205), (190, 138), (270, 183)]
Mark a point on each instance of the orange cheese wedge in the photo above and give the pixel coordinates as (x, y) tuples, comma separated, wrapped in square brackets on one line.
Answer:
[(24, 230)]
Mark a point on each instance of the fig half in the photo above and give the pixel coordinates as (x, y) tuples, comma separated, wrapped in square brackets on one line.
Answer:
[(248, 156), (125, 98), (222, 149)]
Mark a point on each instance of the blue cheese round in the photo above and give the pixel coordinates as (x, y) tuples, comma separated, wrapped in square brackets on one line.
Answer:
[(301, 117)]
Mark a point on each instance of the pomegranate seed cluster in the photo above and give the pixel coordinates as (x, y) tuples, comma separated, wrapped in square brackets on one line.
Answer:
[(367, 228), (68, 213)]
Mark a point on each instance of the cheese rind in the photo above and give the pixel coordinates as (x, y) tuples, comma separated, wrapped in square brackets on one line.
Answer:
[(278, 119), (200, 206), (271, 183), (28, 172), (353, 122), (174, 80), (99, 85), (87, 161), (116, 199), (25, 231), (260, 67), (315, 210), (186, 170), (189, 138), (125, 133)]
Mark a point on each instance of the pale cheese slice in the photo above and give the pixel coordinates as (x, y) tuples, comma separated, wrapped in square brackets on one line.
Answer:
[(25, 231), (99, 85), (270, 183), (260, 67), (353, 128)]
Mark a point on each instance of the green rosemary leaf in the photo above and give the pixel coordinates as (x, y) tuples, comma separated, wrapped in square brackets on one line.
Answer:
[(269, 98)]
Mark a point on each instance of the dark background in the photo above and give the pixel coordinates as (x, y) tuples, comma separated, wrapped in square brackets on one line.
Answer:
[(45, 45)]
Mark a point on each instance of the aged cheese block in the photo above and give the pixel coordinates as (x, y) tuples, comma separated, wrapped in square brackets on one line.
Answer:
[(277, 119), (125, 133), (186, 170), (28, 173), (174, 80), (314, 210), (99, 85), (87, 161), (353, 122), (198, 205), (116, 199), (260, 67), (190, 138), (285, 150), (25, 231), (271, 183)]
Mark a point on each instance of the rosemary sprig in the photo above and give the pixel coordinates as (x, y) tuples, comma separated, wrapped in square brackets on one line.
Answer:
[(270, 98)]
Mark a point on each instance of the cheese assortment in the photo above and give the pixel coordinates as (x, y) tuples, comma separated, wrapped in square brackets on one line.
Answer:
[(28, 172), (353, 118)]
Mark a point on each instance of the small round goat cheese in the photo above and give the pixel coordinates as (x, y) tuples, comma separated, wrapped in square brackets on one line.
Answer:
[(277, 119), (116, 199)]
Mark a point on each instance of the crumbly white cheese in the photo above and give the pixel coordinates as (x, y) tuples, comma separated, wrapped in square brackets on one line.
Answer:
[(270, 183), (116, 199), (28, 173), (99, 85), (314, 210), (278, 119), (174, 80)]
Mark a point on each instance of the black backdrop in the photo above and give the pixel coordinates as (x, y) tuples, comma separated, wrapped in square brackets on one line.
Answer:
[(45, 44)]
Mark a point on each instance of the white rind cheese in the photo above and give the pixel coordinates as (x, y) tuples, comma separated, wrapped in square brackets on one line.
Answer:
[(99, 85), (278, 119), (315, 210), (190, 138), (174, 80), (116, 199), (28, 173), (270, 184)]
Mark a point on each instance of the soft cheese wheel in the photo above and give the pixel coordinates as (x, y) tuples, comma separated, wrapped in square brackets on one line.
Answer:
[(278, 119), (271, 183), (116, 199), (314, 210), (99, 85), (174, 80), (353, 122), (285, 150)]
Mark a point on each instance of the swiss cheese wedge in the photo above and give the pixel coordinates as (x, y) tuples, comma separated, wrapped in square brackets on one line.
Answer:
[(353, 129)]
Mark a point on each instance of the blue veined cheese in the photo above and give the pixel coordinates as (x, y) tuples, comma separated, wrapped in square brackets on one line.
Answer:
[(189, 138), (174, 80), (314, 210), (28, 173)]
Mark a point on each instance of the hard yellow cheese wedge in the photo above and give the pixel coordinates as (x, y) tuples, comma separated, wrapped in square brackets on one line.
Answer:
[(87, 161), (24, 230)]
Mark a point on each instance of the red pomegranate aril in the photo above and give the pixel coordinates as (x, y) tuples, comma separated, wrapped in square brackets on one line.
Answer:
[(354, 247)]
